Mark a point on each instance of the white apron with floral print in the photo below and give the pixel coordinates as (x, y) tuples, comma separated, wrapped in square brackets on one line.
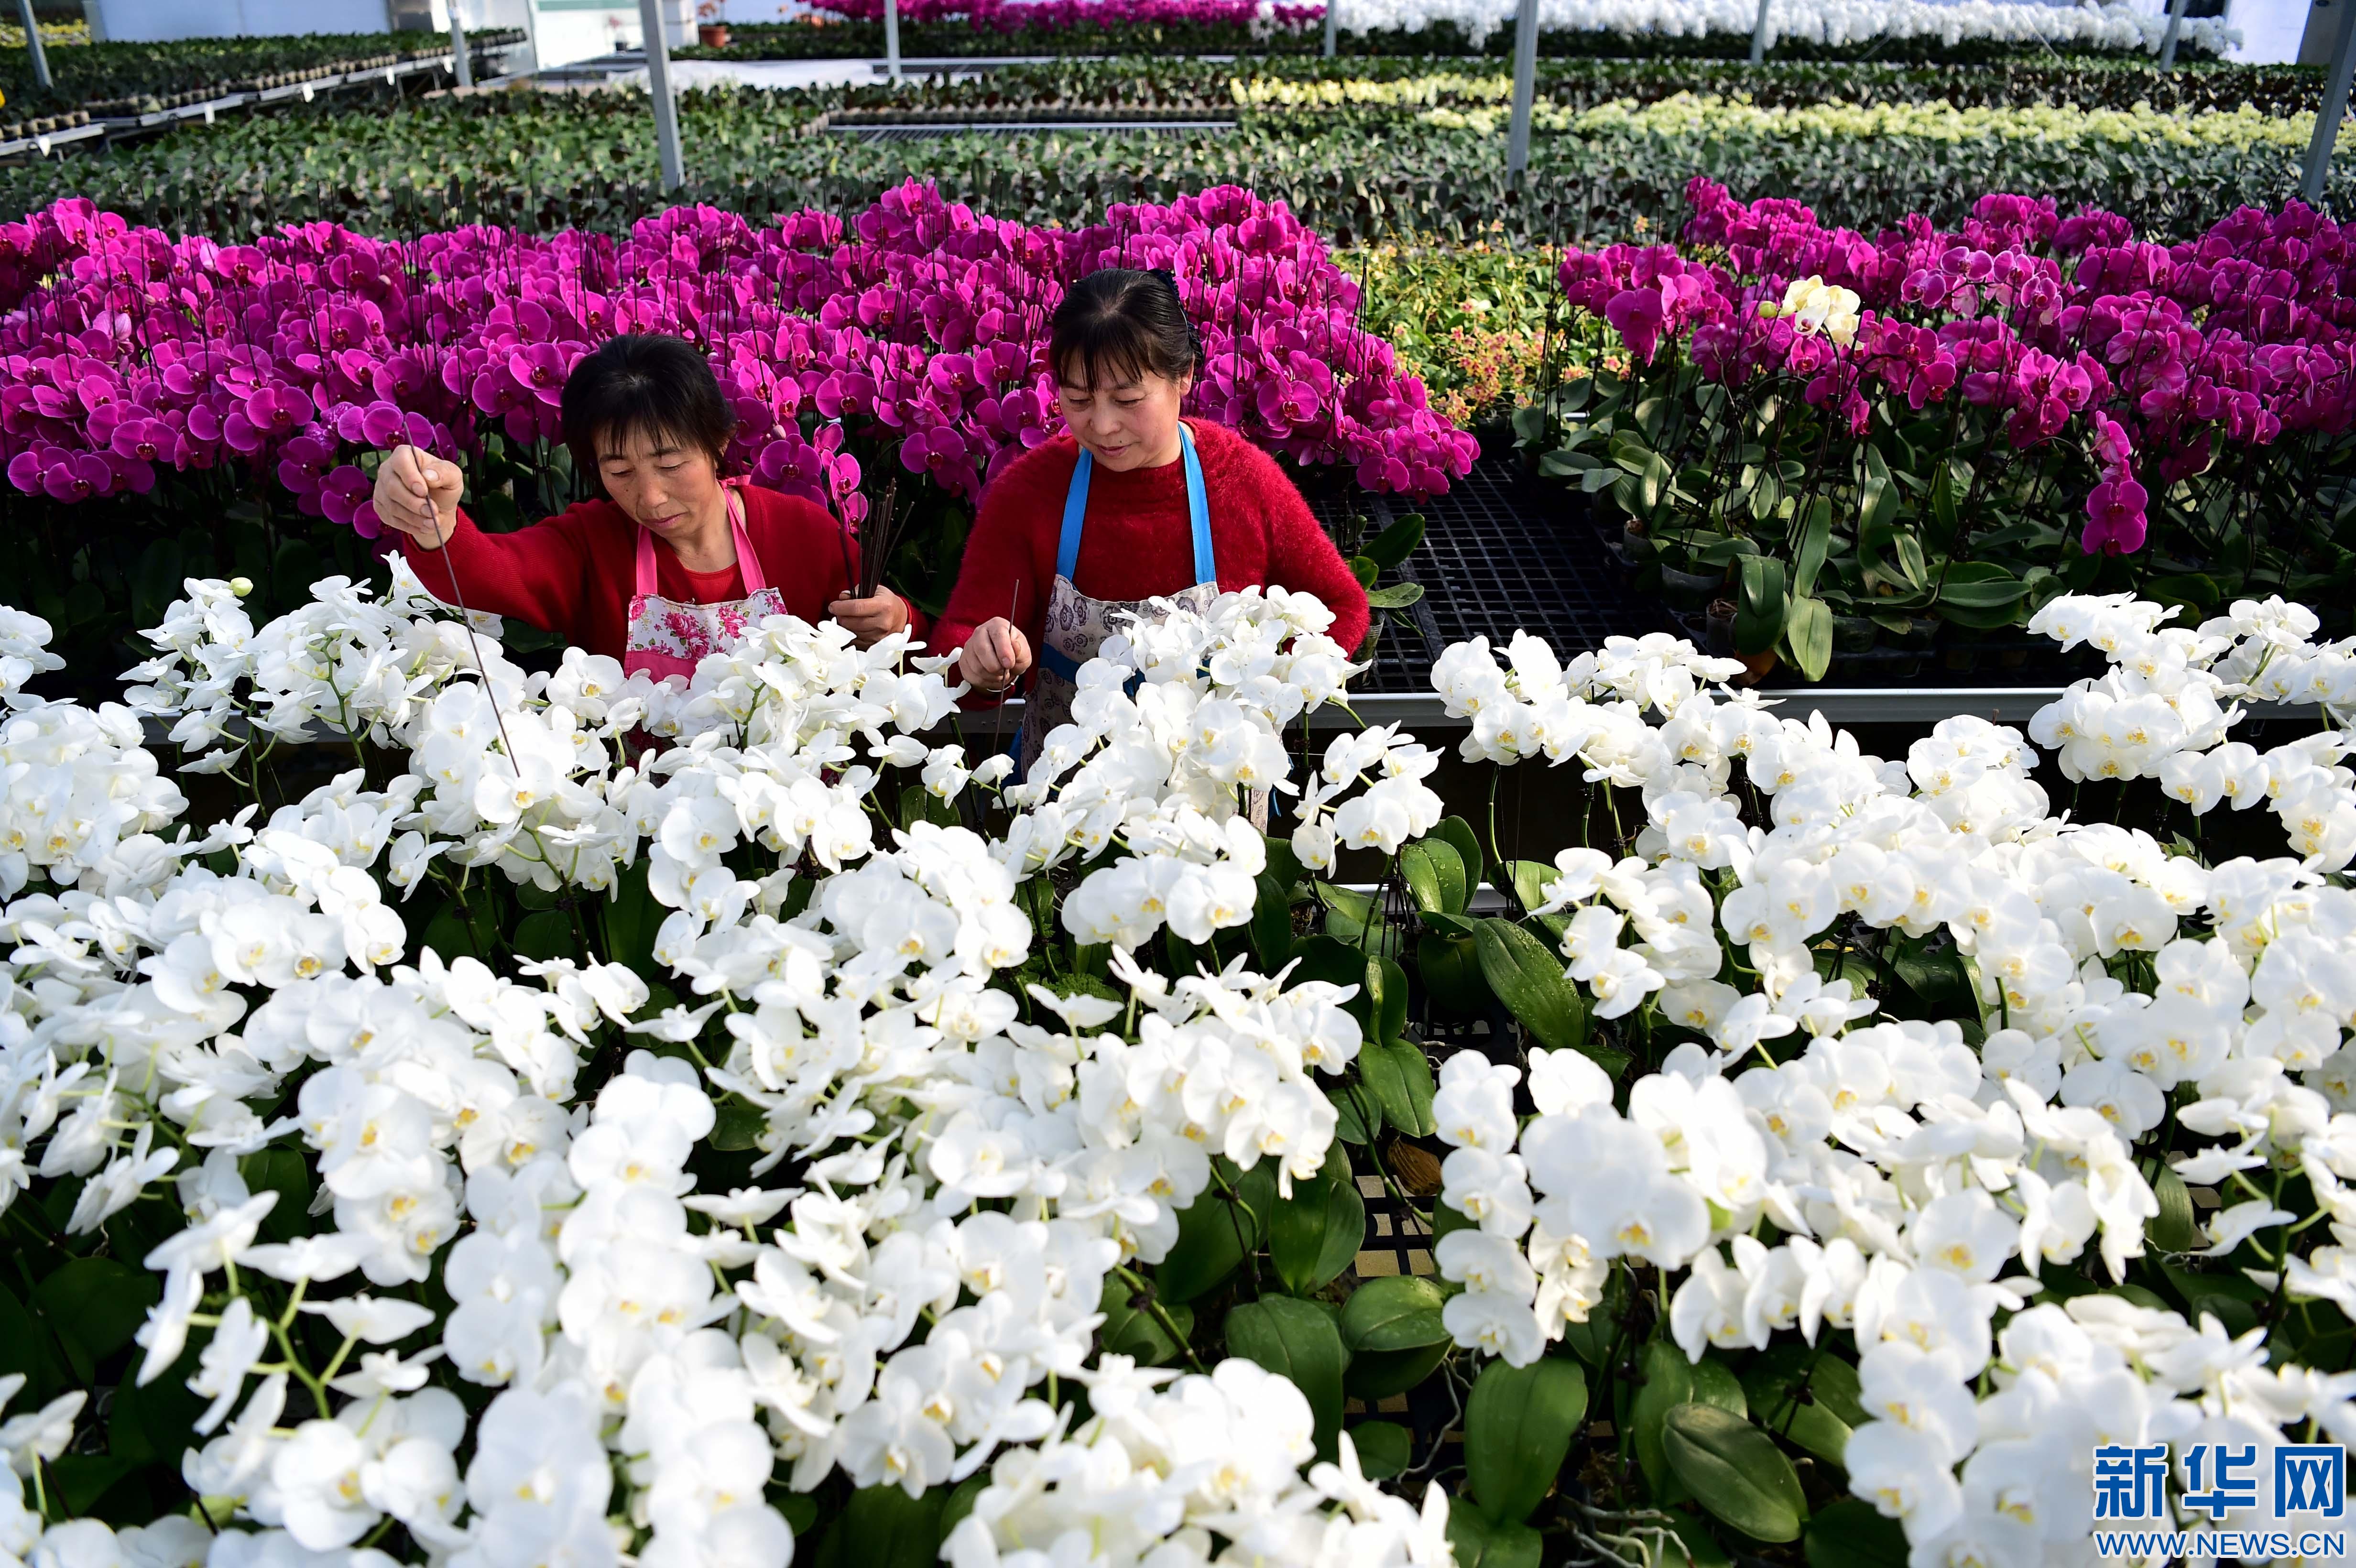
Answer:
[(668, 638)]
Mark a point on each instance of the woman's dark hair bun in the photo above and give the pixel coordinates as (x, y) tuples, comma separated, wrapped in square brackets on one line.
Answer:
[(1120, 323), (642, 383)]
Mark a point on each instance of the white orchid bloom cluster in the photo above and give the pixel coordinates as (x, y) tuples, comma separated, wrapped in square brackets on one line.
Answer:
[(954, 1147), (2163, 711), (347, 662), (1593, 709), (965, 1172), (1173, 729), (1830, 23), (962, 1153), (82, 794), (1394, 807), (23, 653), (1886, 1178), (527, 773), (1160, 1464)]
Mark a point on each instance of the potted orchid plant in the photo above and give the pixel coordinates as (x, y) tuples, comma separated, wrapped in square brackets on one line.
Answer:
[(1944, 428)]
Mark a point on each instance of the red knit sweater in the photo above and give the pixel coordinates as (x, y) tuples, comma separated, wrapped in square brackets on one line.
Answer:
[(1137, 541), (574, 573)]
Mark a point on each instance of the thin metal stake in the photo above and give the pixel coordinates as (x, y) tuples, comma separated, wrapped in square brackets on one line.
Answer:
[(657, 48), (532, 32), (998, 713), (461, 60), (41, 56), (466, 619), (2167, 40), (1759, 35), (2335, 105), (891, 38), (1526, 80)]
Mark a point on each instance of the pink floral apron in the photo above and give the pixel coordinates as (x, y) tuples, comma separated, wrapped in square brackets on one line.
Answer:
[(668, 638)]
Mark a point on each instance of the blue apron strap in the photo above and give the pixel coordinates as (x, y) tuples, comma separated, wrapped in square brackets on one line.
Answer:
[(1075, 512), (1062, 663), (1198, 511)]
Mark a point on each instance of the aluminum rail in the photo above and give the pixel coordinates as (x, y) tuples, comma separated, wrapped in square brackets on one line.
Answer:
[(48, 141), (123, 125), (1424, 714), (1840, 705)]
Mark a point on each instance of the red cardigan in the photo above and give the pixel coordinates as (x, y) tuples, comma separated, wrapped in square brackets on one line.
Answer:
[(1137, 541), (574, 573)]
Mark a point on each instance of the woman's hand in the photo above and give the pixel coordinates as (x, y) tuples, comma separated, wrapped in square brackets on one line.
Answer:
[(417, 495), (869, 620), (995, 656)]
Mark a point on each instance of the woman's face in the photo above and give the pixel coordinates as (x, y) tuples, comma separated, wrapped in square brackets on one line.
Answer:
[(660, 483), (1131, 423)]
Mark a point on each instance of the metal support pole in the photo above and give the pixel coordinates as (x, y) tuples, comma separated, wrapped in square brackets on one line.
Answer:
[(33, 43), (658, 88), (461, 59), (532, 32), (891, 38), (1759, 35), (2167, 40), (1332, 22), (2335, 104), (1526, 83)]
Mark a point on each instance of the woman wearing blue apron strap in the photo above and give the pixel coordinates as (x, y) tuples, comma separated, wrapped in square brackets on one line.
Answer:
[(1181, 508), (1078, 625)]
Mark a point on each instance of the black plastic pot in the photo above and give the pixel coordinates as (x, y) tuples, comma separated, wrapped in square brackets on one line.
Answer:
[(1689, 590), (1721, 626)]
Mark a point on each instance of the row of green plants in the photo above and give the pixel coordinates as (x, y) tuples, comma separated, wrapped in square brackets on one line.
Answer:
[(858, 39), (1712, 118), (1165, 82), (140, 78), (546, 162)]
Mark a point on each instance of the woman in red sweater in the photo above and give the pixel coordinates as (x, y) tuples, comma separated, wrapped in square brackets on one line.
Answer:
[(672, 561), (1132, 503)]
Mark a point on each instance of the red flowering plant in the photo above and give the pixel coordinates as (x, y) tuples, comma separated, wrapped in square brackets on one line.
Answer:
[(263, 380), (1843, 438)]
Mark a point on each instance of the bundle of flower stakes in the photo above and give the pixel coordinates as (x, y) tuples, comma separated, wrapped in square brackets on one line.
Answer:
[(428, 1254), (877, 539)]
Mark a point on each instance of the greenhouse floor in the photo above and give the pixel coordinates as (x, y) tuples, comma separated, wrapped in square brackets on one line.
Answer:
[(1501, 552)]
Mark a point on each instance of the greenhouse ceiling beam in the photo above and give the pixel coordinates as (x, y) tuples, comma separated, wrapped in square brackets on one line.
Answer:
[(2335, 105), (32, 44), (2168, 41), (459, 61), (1526, 77), (658, 50)]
